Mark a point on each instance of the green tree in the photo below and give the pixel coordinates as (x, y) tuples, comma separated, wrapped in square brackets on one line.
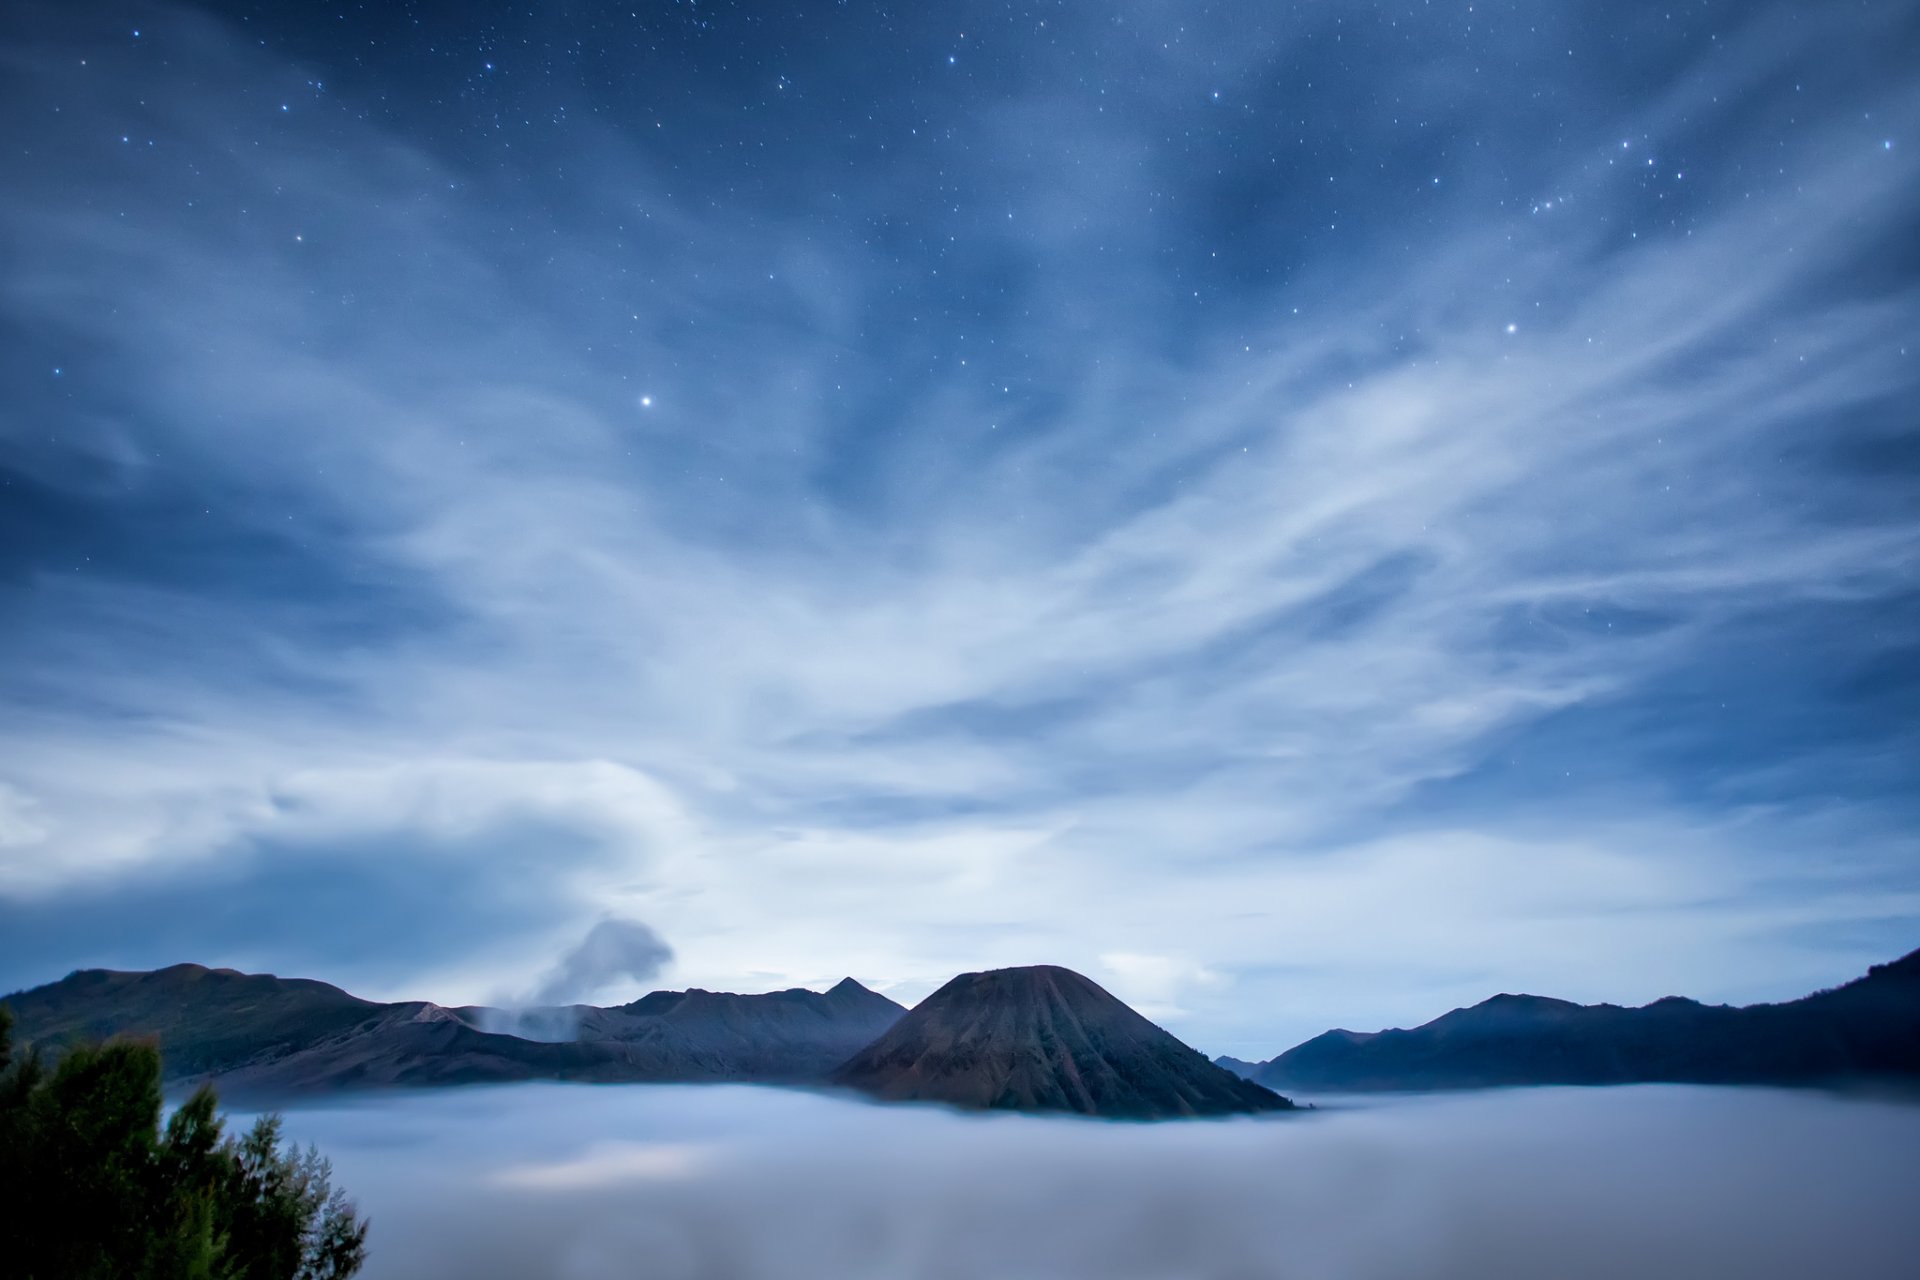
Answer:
[(93, 1188)]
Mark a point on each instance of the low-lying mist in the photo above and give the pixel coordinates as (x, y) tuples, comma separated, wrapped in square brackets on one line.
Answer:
[(735, 1183)]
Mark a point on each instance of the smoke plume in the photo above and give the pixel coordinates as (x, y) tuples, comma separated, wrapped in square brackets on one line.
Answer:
[(613, 951)]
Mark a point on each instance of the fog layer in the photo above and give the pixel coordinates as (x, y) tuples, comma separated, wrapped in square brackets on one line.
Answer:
[(679, 1183)]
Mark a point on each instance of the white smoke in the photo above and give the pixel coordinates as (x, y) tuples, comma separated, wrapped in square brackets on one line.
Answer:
[(613, 951), (552, 1025)]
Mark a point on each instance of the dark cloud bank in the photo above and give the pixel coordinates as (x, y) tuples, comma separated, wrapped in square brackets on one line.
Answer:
[(723, 1183)]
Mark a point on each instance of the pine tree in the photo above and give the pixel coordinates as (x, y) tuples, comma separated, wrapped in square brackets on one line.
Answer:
[(92, 1187)]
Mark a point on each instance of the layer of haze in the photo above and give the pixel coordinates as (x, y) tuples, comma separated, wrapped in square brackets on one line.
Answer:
[(731, 1183)]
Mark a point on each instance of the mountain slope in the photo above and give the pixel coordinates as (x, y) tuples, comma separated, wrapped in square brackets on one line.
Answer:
[(1044, 1039), (784, 1035), (1869, 1028), (205, 1019), (415, 1045), (260, 1033)]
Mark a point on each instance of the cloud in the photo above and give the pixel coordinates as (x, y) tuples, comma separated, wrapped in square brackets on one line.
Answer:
[(455, 871), (786, 1186), (18, 827), (609, 1163), (974, 583), (1154, 984)]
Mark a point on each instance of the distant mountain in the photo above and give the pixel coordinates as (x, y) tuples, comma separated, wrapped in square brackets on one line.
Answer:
[(1867, 1029), (1044, 1039), (794, 1035), (206, 1019), (259, 1033)]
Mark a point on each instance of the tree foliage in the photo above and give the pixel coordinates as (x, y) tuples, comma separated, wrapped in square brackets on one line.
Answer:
[(93, 1187)]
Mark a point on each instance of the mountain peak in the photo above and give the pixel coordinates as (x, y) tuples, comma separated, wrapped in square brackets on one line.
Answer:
[(1044, 1038), (853, 998), (1520, 1001)]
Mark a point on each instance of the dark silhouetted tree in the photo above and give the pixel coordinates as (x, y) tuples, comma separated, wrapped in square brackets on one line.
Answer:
[(93, 1188)]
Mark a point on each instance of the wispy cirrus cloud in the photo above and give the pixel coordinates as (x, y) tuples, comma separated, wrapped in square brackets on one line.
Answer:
[(849, 617)]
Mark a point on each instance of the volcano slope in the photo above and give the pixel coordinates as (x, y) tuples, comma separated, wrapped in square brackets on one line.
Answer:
[(1044, 1038)]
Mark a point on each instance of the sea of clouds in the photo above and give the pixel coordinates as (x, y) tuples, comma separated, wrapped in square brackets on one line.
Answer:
[(737, 1183)]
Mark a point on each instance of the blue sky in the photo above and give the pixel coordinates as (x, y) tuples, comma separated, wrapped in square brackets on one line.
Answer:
[(1310, 515)]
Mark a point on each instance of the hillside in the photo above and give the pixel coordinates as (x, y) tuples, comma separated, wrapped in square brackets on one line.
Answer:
[(260, 1033), (1044, 1039), (1867, 1029), (207, 1020)]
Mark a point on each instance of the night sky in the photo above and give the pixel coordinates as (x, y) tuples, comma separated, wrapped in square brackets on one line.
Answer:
[(1310, 514)]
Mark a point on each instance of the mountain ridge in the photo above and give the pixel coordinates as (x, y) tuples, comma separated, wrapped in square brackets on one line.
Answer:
[(1035, 1038), (264, 1034), (1867, 1028)]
